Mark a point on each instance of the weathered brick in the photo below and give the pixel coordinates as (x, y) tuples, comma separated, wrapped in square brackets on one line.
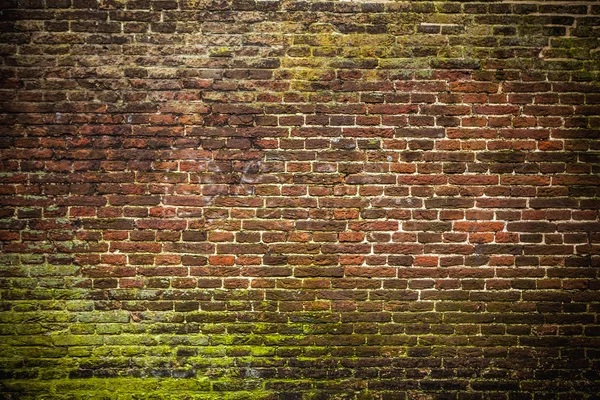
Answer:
[(299, 199)]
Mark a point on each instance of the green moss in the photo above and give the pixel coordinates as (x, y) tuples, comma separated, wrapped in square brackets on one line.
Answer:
[(25, 306), (80, 328), (9, 259), (121, 388), (187, 340), (404, 63), (79, 305), (113, 316), (32, 258), (248, 339), (160, 351), (273, 340), (261, 351), (77, 340), (214, 362), (212, 351), (260, 327), (126, 340), (71, 291), (80, 351), (29, 341), (54, 270), (221, 52)]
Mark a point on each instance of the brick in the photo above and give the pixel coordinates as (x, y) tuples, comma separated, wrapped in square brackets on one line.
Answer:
[(299, 199)]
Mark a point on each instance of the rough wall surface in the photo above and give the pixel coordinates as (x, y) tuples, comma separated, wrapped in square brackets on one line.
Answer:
[(299, 200)]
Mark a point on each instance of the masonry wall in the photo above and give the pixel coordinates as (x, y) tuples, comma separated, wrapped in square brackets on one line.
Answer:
[(299, 200)]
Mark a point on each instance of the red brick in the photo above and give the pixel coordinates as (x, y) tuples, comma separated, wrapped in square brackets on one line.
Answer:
[(314, 198)]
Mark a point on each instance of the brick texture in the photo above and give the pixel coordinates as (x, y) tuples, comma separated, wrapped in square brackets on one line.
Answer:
[(223, 199)]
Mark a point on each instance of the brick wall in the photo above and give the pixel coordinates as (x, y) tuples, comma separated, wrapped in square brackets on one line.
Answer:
[(299, 200)]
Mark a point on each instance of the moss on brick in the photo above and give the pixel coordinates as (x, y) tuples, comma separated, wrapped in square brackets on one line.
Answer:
[(268, 200)]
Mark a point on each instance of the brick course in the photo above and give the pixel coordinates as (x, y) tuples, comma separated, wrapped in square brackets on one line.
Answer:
[(299, 199)]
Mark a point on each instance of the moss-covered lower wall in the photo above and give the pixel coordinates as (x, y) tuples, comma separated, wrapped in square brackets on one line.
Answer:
[(239, 199)]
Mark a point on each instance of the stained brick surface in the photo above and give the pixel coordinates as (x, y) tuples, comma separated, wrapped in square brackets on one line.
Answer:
[(299, 200)]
